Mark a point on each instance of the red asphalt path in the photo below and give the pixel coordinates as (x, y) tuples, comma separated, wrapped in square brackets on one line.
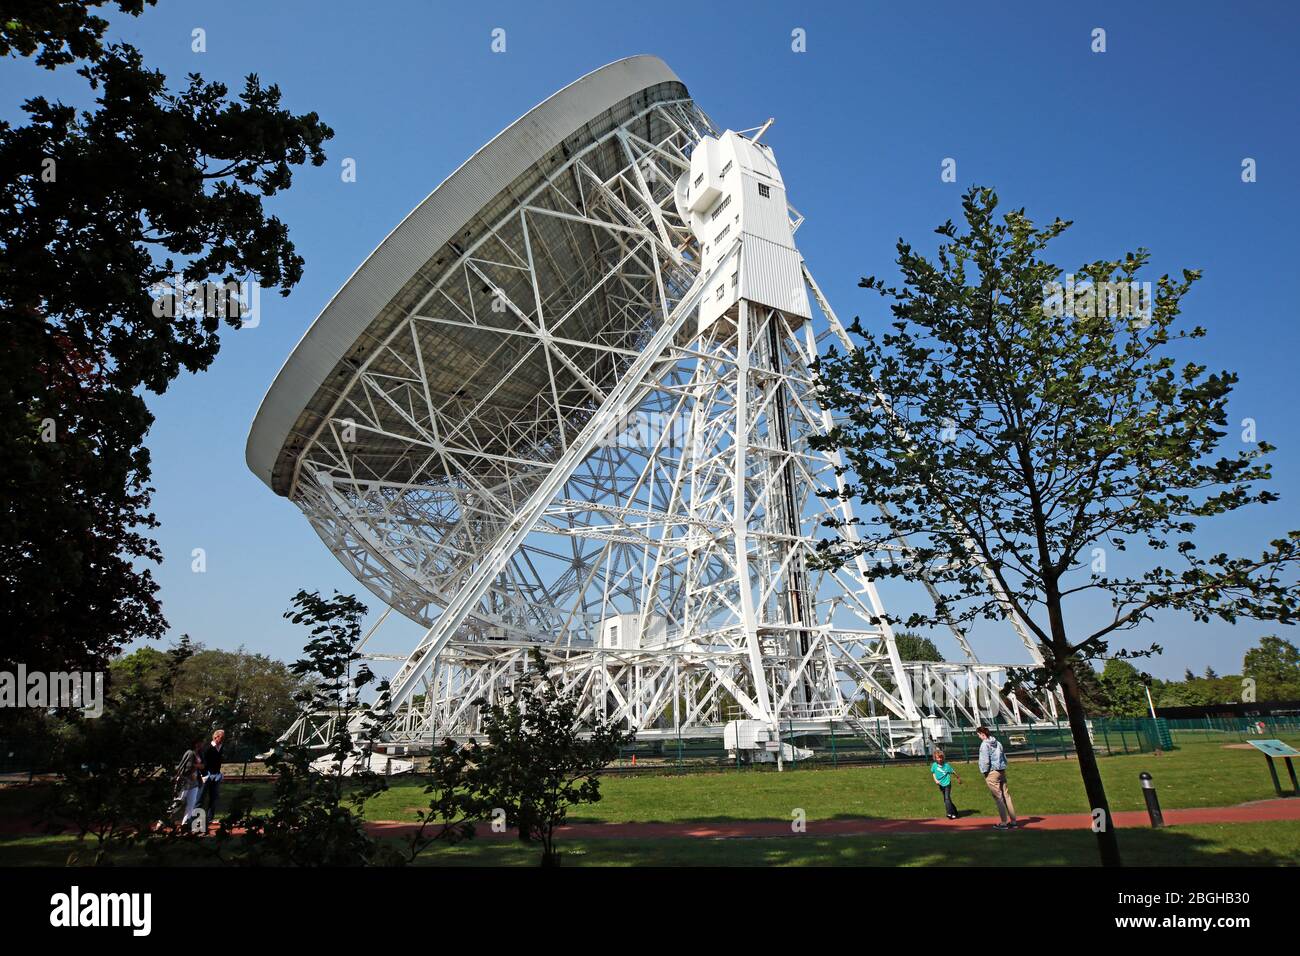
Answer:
[(867, 826), (1256, 812)]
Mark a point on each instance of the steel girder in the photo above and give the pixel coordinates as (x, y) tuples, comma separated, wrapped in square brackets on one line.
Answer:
[(654, 470)]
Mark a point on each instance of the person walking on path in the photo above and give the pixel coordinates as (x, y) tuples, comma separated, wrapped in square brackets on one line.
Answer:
[(993, 764), (211, 757), (943, 775), (189, 773)]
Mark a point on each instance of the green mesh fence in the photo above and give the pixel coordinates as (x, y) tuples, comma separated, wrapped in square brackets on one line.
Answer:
[(1044, 741), (1113, 736)]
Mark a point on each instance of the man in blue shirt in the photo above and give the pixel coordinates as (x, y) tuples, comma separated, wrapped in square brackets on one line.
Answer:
[(993, 764)]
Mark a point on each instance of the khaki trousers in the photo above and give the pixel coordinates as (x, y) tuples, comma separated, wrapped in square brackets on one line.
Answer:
[(997, 784)]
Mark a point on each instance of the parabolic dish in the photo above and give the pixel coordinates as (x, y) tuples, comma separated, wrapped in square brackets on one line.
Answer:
[(454, 367)]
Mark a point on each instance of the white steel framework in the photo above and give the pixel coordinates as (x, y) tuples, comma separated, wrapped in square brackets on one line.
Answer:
[(542, 449)]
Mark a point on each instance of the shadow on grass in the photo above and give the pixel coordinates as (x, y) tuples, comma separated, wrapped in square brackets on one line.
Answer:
[(1252, 844), (1234, 845)]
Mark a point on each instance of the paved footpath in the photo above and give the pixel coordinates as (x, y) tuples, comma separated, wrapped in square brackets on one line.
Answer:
[(868, 826), (842, 826)]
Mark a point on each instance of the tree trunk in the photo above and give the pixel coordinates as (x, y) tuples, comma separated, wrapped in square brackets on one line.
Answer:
[(549, 856), (1107, 843)]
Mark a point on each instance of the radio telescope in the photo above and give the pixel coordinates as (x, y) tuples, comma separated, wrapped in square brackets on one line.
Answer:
[(566, 406)]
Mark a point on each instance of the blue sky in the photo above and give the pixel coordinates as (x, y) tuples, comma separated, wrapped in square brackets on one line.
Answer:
[(1140, 145)]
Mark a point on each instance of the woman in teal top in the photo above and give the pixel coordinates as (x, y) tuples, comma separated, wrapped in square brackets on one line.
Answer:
[(943, 774)]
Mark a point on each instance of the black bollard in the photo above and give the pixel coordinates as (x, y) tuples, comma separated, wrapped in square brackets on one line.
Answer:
[(1153, 802)]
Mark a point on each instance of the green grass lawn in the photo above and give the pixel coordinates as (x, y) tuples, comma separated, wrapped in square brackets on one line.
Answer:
[(1240, 844), (1198, 775)]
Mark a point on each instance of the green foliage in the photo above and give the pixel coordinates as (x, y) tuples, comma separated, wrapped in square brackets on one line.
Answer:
[(98, 208), (914, 647), (1200, 692), (252, 696), (452, 806), (1125, 689), (1275, 667), (995, 429), (1091, 690), (57, 31), (115, 770), (1012, 438), (318, 798), (316, 816), (538, 760), (911, 647)]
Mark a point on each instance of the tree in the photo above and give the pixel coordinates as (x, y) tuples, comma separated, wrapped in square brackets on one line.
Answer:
[(453, 805), (316, 816), (914, 647), (1064, 454), (538, 759), (1193, 693), (57, 31), (1200, 692), (1275, 667), (115, 770), (1188, 675), (911, 647), (248, 693), (1125, 689), (1210, 673), (1091, 690), (100, 210)]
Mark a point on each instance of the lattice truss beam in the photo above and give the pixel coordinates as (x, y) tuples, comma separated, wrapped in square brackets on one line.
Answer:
[(545, 441)]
